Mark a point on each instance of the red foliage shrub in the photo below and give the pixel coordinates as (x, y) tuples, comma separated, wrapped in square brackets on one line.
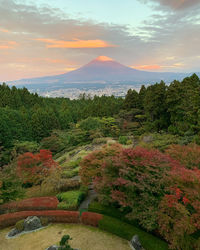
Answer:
[(38, 203), (130, 177), (187, 155), (91, 219), (53, 216), (179, 214), (33, 168), (90, 165)]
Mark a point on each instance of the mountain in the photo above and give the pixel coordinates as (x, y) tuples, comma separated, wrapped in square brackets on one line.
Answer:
[(101, 76), (104, 69)]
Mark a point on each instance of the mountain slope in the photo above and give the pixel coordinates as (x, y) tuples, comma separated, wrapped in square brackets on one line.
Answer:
[(104, 70)]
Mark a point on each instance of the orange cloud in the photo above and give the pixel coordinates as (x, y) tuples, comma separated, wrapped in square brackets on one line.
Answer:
[(7, 45), (75, 44), (147, 67), (3, 30)]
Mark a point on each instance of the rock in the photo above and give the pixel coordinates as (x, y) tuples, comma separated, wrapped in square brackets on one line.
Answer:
[(135, 242), (32, 223), (13, 232), (54, 247)]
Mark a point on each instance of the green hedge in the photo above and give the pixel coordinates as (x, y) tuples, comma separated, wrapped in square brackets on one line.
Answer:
[(110, 211), (127, 231), (70, 200)]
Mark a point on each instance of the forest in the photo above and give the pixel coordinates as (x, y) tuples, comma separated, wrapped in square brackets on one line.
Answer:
[(141, 153)]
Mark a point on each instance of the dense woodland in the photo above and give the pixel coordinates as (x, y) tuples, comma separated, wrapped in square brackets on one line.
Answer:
[(158, 108), (155, 185)]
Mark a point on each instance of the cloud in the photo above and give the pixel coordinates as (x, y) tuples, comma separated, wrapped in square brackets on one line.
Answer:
[(158, 67), (3, 30), (75, 44), (165, 39), (147, 67), (7, 45), (174, 4)]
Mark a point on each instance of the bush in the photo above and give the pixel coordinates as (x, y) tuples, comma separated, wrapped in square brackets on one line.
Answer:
[(39, 203), (34, 168), (44, 221), (111, 211), (91, 219), (20, 225), (10, 185), (66, 185), (52, 143), (123, 140), (179, 210), (189, 155), (64, 245), (70, 200), (91, 123), (70, 173), (131, 178), (127, 231), (23, 147), (74, 164), (159, 141), (63, 205), (57, 216), (98, 141)]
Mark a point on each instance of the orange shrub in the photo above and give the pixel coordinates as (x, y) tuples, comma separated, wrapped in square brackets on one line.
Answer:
[(52, 215), (38, 203), (91, 219), (187, 155)]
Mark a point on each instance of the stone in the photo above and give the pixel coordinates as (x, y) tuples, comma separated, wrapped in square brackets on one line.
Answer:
[(32, 223), (53, 247), (135, 243), (13, 232)]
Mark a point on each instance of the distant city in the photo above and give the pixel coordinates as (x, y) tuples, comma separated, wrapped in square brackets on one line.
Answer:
[(74, 93)]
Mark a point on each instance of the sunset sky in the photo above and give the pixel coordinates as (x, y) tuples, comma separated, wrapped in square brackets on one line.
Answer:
[(41, 37)]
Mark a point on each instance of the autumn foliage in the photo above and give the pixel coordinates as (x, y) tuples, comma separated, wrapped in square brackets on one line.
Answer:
[(52, 215), (34, 168), (187, 155), (161, 190), (179, 213), (91, 219), (37, 203), (131, 178)]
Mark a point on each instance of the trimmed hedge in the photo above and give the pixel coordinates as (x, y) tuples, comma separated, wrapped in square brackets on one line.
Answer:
[(37, 203), (52, 215), (91, 219), (126, 231), (110, 211), (105, 223), (70, 200)]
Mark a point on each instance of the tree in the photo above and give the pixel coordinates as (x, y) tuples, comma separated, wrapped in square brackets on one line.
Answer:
[(187, 155), (131, 99), (10, 184), (179, 210), (131, 178), (155, 107), (34, 168)]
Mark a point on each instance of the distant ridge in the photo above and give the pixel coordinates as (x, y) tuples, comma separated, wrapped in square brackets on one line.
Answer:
[(104, 69)]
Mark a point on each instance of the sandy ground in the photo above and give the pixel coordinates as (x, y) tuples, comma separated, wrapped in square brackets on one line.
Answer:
[(84, 238)]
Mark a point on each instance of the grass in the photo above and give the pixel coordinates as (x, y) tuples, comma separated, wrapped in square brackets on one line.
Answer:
[(83, 237)]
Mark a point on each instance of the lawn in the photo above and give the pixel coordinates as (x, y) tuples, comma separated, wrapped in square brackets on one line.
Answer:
[(84, 238)]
